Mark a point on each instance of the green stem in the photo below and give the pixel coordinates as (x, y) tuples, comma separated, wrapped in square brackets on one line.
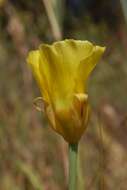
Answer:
[(73, 152)]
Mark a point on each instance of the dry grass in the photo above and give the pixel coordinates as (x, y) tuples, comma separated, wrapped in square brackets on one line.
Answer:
[(32, 157)]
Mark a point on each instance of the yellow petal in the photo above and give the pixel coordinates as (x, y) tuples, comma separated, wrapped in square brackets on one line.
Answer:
[(86, 66), (59, 63), (57, 75), (72, 123), (73, 51), (33, 60)]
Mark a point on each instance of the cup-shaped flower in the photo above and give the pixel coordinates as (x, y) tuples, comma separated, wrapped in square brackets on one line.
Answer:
[(62, 70)]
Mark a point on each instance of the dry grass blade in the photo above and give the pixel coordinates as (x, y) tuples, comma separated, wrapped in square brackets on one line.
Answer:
[(124, 8), (52, 20), (30, 175)]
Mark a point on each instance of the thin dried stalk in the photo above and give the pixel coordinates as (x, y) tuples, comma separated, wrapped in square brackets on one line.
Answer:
[(52, 20), (124, 8)]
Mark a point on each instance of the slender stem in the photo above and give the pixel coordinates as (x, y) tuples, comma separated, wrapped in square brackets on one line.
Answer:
[(73, 152), (52, 20), (124, 8)]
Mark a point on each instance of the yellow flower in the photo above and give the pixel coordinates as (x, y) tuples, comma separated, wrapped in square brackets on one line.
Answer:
[(62, 70)]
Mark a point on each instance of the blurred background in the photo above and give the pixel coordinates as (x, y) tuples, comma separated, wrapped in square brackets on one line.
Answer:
[(32, 156)]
